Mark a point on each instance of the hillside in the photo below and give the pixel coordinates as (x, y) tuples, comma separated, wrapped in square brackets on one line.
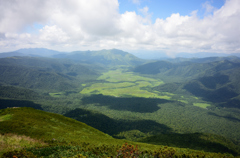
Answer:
[(43, 73), (222, 87), (189, 68), (211, 79), (15, 92), (48, 64), (46, 126), (172, 72), (53, 135)]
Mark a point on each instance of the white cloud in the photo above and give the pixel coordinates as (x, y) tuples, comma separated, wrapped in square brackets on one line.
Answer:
[(94, 24), (92, 17), (53, 34), (16, 14)]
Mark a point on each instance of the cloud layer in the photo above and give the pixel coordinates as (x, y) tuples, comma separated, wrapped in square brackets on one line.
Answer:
[(93, 24)]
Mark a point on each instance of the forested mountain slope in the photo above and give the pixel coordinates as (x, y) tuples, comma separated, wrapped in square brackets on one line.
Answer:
[(42, 73), (222, 87), (187, 69), (48, 64), (215, 81)]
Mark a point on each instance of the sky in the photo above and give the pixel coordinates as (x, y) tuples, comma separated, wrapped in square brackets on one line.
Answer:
[(164, 26)]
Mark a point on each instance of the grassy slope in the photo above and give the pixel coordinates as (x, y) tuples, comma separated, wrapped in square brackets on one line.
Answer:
[(54, 134), (42, 125)]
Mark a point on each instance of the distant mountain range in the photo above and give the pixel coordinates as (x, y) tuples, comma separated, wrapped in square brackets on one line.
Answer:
[(145, 54), (142, 54), (103, 57), (110, 57)]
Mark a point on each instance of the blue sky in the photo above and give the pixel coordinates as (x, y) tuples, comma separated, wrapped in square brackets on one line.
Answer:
[(164, 26), (164, 8)]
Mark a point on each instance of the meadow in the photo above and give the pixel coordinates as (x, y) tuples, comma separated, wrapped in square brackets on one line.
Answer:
[(122, 83), (118, 83)]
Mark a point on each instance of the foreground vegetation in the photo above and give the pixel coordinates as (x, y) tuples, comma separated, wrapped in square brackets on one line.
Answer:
[(42, 134)]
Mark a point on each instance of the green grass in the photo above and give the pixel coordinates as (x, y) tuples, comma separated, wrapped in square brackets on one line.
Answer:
[(46, 126), (118, 83), (201, 105)]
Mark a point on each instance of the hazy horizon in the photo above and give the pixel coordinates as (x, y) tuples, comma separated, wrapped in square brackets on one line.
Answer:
[(143, 54)]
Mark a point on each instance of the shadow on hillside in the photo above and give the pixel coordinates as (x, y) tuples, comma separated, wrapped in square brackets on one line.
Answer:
[(5, 103), (167, 137), (195, 141), (134, 104), (212, 81), (112, 126), (223, 94), (233, 103), (228, 117)]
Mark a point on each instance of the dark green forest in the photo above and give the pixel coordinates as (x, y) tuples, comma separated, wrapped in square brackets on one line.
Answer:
[(180, 103)]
